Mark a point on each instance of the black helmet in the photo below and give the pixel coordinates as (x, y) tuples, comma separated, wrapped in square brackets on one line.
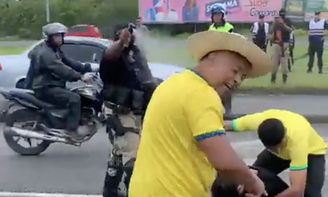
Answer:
[(282, 12), (118, 28)]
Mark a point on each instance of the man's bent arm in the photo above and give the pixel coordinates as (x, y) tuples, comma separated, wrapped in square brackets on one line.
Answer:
[(298, 167), (225, 160), (244, 123), (114, 51), (298, 182), (205, 118)]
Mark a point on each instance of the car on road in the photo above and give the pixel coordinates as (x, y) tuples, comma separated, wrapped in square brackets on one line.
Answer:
[(83, 49), (84, 30)]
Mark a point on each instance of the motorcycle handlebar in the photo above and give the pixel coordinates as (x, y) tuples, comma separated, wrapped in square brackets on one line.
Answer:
[(95, 78)]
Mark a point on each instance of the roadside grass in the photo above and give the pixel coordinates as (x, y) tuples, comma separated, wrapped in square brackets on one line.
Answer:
[(176, 54), (171, 50), (11, 50), (11, 38), (297, 79)]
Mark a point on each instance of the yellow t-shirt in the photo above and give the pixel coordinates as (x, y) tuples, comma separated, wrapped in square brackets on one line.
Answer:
[(182, 110), (302, 139)]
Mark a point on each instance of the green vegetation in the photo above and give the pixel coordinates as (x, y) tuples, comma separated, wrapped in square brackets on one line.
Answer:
[(25, 18), (11, 50), (170, 50), (176, 54), (298, 78)]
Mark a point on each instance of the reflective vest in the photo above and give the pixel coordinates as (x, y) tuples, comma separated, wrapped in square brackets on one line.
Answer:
[(316, 30), (226, 28)]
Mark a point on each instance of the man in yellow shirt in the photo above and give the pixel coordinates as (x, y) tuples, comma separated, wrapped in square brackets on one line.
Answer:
[(290, 141), (183, 142)]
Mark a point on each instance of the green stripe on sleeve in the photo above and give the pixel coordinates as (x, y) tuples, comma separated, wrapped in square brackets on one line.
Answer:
[(234, 125), (291, 168), (209, 135)]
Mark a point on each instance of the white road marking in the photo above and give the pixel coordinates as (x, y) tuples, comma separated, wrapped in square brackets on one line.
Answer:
[(18, 194)]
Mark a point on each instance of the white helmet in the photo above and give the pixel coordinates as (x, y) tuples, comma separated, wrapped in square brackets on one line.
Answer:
[(54, 28)]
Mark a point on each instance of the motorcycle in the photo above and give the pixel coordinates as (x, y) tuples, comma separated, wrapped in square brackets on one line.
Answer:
[(30, 118)]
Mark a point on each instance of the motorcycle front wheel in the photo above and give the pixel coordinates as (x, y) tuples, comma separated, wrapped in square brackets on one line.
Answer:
[(23, 119)]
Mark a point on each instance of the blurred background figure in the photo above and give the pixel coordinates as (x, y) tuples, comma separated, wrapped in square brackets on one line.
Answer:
[(260, 33), (316, 41), (140, 27), (280, 37)]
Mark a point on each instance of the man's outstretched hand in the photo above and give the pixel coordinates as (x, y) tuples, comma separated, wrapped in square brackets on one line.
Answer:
[(125, 37)]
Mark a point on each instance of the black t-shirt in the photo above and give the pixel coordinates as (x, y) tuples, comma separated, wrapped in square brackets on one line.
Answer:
[(273, 185), (285, 35), (118, 72)]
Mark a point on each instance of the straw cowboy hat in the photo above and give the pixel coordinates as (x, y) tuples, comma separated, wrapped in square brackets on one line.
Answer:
[(202, 43)]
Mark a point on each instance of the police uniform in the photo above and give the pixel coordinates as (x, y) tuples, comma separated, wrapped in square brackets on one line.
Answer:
[(226, 27), (260, 34), (128, 86), (316, 42)]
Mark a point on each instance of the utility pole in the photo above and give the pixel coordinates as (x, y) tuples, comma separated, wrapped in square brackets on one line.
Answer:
[(47, 11)]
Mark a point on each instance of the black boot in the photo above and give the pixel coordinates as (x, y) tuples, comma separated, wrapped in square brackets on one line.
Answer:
[(284, 78), (273, 78), (113, 177)]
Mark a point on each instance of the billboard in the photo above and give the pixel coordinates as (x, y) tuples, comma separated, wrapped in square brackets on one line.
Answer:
[(312, 6), (183, 11), (295, 9)]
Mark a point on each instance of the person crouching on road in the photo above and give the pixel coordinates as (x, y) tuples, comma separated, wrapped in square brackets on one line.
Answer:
[(290, 142), (183, 142), (128, 85), (281, 29), (260, 32), (218, 16)]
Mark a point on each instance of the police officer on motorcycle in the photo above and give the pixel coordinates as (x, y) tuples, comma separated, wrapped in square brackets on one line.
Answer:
[(52, 70), (128, 86)]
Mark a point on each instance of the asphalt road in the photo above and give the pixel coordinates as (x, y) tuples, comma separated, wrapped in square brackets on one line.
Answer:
[(245, 104), (302, 104), (66, 169)]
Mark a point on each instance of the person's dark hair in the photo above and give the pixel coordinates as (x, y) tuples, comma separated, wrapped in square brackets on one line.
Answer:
[(219, 189), (317, 13), (282, 13), (261, 16), (271, 132)]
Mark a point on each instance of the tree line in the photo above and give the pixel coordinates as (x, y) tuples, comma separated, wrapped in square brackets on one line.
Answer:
[(26, 17)]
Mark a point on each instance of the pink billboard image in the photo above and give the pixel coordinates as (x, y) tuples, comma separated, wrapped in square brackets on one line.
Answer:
[(181, 11)]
